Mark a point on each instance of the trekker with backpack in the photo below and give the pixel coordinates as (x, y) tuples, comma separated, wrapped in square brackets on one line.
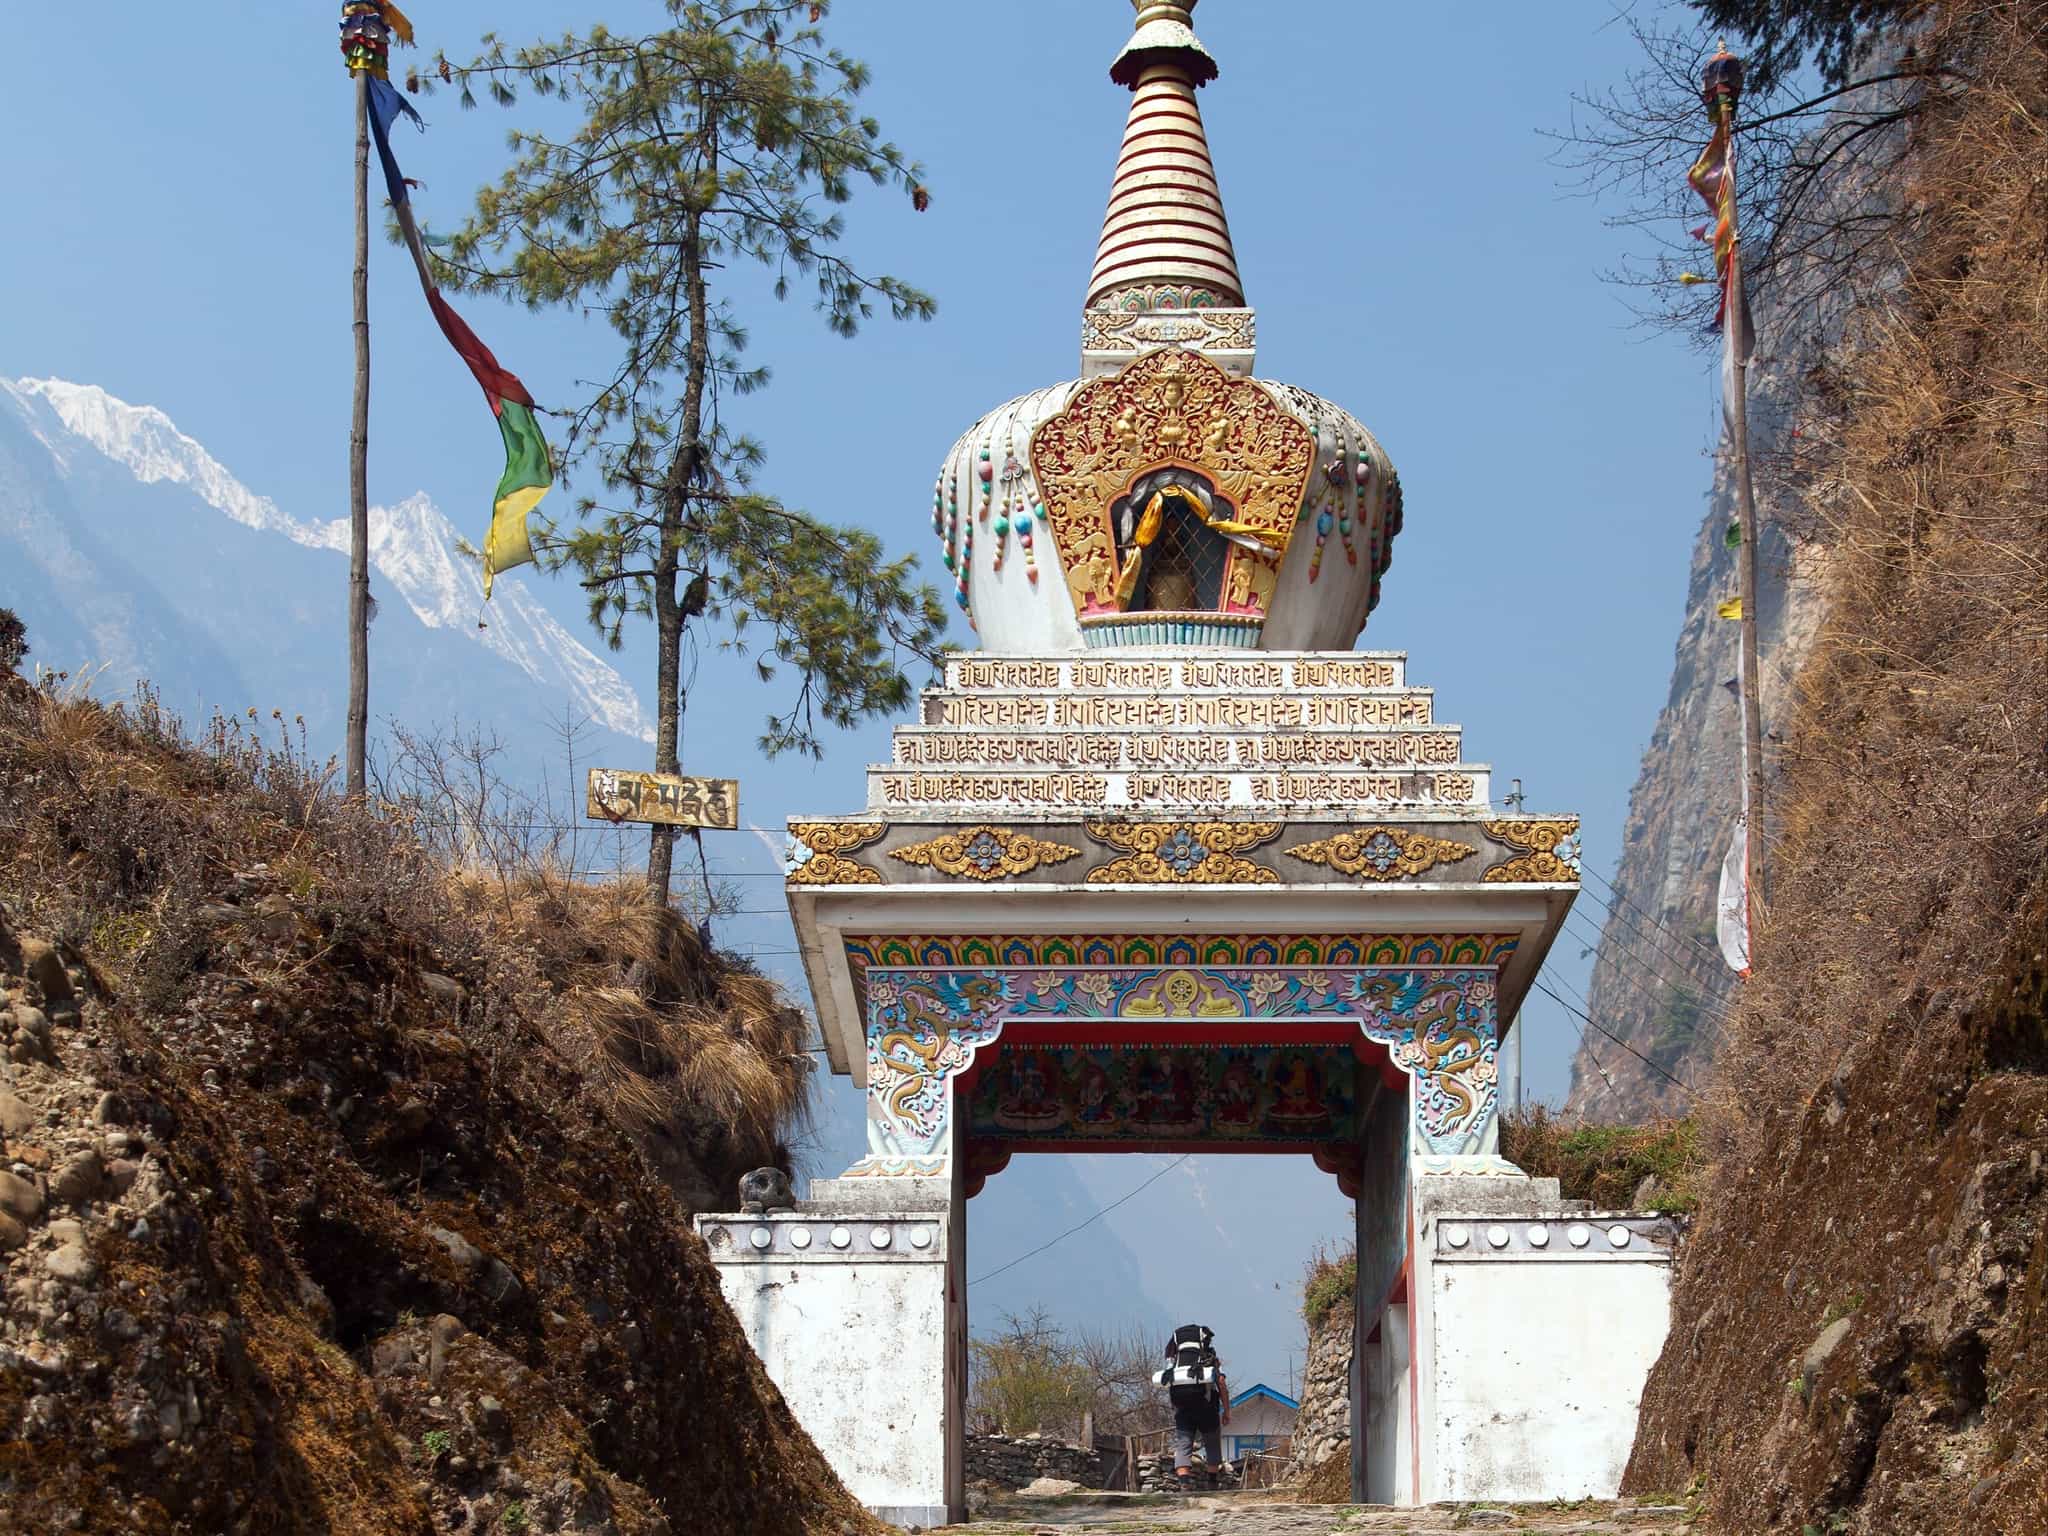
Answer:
[(1200, 1395)]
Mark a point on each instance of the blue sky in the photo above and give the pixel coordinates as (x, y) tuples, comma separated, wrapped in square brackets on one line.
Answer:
[(182, 200)]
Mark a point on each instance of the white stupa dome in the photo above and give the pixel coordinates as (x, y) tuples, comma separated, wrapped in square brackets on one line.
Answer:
[(1166, 497)]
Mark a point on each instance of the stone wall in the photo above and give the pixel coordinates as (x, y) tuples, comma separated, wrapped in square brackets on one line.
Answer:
[(1322, 1430), (1010, 1462)]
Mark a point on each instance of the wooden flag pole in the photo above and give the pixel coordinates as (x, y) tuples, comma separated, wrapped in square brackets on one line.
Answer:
[(358, 466), (1745, 567)]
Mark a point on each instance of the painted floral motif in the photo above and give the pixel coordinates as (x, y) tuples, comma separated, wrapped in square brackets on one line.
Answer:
[(925, 1026), (942, 951)]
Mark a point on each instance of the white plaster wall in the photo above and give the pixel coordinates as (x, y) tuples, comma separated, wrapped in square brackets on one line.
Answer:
[(1539, 1368), (1389, 1449), (859, 1353)]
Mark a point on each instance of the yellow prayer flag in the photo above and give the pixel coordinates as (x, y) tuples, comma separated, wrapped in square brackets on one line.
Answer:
[(1732, 609)]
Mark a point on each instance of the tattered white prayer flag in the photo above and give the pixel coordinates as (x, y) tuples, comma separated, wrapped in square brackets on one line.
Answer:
[(1731, 915)]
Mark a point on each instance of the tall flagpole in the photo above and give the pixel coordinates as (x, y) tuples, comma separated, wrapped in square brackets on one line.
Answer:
[(1745, 574), (358, 464), (1722, 89)]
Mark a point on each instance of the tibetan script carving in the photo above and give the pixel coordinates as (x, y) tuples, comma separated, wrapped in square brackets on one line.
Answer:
[(1551, 850), (1381, 853), (1182, 853), (620, 794), (985, 853), (819, 850), (1166, 408), (1364, 673), (1207, 711)]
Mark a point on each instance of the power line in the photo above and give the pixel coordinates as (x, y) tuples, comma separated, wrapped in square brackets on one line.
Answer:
[(1610, 1034), (1034, 1253), (1701, 945), (1708, 1007), (1584, 1044), (1649, 937)]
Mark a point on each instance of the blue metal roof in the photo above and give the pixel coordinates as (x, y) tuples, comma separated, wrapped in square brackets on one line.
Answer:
[(1260, 1389)]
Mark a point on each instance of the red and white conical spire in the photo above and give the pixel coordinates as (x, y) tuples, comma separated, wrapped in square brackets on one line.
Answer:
[(1165, 236)]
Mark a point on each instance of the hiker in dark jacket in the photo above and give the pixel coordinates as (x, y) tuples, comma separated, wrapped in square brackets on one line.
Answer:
[(1200, 1395)]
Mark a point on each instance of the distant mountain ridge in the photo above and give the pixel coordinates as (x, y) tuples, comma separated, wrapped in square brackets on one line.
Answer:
[(127, 548)]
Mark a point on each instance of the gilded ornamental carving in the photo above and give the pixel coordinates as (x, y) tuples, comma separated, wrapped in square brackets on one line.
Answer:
[(984, 853), (1381, 853), (1550, 851), (818, 852), (1171, 408), (1182, 853)]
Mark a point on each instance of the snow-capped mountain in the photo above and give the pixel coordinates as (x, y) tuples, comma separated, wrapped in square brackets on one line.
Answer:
[(127, 548)]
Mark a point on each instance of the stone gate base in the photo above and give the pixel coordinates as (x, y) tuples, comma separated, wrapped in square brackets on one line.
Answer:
[(853, 1301), (1508, 1360)]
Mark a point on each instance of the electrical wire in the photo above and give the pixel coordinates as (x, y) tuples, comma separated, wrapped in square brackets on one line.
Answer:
[(1034, 1253), (1610, 1034)]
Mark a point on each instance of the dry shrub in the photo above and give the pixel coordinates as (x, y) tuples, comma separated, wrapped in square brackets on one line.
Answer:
[(1606, 1164), (1879, 1112), (687, 1044), (1911, 801), (120, 834)]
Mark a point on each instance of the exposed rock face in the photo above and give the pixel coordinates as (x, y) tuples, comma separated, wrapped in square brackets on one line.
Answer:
[(1322, 1429), (1658, 979)]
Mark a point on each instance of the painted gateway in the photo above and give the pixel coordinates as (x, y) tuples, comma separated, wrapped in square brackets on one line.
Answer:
[(1168, 866)]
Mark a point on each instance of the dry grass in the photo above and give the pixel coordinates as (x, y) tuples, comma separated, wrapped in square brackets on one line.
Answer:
[(1911, 799), (114, 826)]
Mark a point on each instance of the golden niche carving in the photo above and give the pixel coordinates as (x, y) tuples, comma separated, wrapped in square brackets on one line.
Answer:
[(1172, 408), (825, 844), (1381, 853), (1182, 853), (1550, 851), (985, 853)]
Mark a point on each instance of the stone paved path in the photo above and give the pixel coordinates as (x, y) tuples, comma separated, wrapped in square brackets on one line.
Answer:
[(1258, 1514)]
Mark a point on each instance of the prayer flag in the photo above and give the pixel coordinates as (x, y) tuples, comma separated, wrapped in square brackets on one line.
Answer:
[(1713, 177), (528, 470), (1731, 908)]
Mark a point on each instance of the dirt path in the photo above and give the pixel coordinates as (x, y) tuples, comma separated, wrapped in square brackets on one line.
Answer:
[(1258, 1515)]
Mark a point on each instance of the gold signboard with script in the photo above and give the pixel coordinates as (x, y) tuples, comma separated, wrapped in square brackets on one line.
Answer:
[(619, 794)]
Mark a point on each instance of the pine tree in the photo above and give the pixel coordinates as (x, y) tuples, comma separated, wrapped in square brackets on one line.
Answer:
[(730, 134)]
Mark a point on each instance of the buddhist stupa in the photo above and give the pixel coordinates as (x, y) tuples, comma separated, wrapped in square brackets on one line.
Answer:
[(1167, 496)]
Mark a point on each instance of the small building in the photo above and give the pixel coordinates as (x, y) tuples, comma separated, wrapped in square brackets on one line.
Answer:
[(1260, 1419)]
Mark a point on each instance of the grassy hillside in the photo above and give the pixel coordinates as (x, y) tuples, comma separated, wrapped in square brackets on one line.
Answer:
[(344, 1190), (1858, 1343)]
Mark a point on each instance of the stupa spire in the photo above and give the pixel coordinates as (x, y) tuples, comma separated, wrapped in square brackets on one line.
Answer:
[(1164, 233)]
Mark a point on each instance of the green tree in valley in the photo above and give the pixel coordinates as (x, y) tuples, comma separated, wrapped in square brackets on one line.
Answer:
[(728, 136)]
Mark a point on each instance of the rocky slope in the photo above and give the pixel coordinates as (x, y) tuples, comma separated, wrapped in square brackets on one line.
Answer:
[(1857, 1341), (1658, 979), (321, 1208)]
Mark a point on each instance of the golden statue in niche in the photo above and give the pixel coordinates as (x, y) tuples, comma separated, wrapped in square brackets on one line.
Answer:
[(1247, 460)]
